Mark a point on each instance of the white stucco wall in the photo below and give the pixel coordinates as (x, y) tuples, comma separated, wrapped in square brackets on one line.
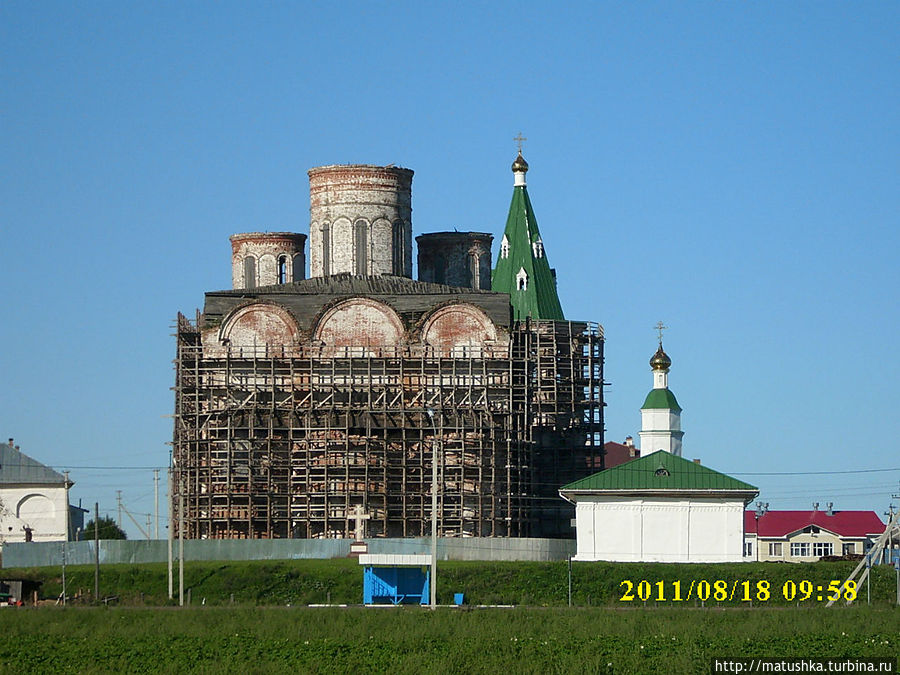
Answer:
[(659, 529), (43, 509)]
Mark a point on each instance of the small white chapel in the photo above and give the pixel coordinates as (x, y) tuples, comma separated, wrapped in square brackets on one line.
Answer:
[(660, 507)]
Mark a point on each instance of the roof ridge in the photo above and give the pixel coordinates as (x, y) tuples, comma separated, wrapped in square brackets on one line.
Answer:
[(660, 470)]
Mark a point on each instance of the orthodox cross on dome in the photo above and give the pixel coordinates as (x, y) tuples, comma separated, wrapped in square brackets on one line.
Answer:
[(519, 140), (660, 327), (360, 519)]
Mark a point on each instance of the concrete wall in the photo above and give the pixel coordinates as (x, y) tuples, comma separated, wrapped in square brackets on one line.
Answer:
[(660, 529), (111, 551)]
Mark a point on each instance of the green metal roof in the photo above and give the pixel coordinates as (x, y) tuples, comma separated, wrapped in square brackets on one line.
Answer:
[(539, 299), (661, 398), (659, 471)]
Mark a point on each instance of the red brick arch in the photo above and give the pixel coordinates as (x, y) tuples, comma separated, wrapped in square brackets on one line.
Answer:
[(359, 322), (258, 324), (458, 325)]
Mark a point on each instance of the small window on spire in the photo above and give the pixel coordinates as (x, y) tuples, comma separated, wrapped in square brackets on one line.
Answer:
[(504, 247), (538, 248), (522, 280)]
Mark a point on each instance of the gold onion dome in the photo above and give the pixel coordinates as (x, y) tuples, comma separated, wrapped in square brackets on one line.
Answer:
[(660, 360), (520, 164)]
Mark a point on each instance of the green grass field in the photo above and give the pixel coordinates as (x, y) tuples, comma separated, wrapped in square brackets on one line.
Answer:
[(270, 629), (416, 640)]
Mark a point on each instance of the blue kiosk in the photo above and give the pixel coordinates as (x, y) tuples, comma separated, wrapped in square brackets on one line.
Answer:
[(395, 579)]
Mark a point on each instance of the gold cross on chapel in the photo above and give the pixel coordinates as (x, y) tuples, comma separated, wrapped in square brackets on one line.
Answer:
[(519, 140), (660, 327)]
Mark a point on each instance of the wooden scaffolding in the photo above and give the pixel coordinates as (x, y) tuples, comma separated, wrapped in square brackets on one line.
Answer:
[(283, 442)]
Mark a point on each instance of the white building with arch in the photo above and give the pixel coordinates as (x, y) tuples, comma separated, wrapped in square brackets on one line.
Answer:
[(34, 500)]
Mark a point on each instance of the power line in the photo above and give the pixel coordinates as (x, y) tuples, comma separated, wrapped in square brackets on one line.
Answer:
[(806, 473)]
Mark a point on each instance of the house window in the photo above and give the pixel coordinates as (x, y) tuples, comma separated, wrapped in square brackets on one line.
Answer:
[(504, 247), (775, 549), (361, 247), (849, 549), (249, 272), (326, 250), (282, 270), (398, 254), (821, 548), (748, 549), (800, 549)]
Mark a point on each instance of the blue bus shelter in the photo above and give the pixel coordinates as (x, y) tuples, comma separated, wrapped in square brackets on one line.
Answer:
[(395, 579)]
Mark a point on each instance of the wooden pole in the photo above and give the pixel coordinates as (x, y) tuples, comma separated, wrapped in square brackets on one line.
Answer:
[(155, 504), (180, 543), (171, 534), (96, 552)]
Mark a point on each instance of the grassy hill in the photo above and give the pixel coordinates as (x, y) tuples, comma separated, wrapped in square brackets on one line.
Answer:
[(302, 582)]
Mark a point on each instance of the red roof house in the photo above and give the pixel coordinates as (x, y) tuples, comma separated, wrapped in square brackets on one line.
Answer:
[(806, 536)]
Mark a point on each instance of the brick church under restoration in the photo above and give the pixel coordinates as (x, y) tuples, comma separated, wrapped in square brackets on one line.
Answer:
[(301, 404)]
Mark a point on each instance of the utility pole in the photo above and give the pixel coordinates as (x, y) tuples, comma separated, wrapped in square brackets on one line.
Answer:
[(180, 544), (64, 546), (868, 577), (171, 528), (897, 567), (434, 505), (155, 503), (119, 504), (68, 510), (96, 552), (570, 581)]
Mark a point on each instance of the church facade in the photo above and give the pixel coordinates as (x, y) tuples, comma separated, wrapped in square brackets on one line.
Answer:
[(301, 403)]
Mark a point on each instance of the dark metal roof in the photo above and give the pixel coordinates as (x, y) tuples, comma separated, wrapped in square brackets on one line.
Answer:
[(409, 298), (352, 284), (17, 468)]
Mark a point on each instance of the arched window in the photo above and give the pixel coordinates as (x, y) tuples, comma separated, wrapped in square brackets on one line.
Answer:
[(397, 250), (522, 280), (440, 269), (361, 247), (326, 249), (475, 271), (282, 269), (299, 270), (249, 272)]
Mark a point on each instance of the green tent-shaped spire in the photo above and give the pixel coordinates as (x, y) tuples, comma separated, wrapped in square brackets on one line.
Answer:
[(522, 268)]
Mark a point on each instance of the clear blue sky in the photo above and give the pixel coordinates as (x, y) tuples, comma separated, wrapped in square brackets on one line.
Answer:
[(728, 168)]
